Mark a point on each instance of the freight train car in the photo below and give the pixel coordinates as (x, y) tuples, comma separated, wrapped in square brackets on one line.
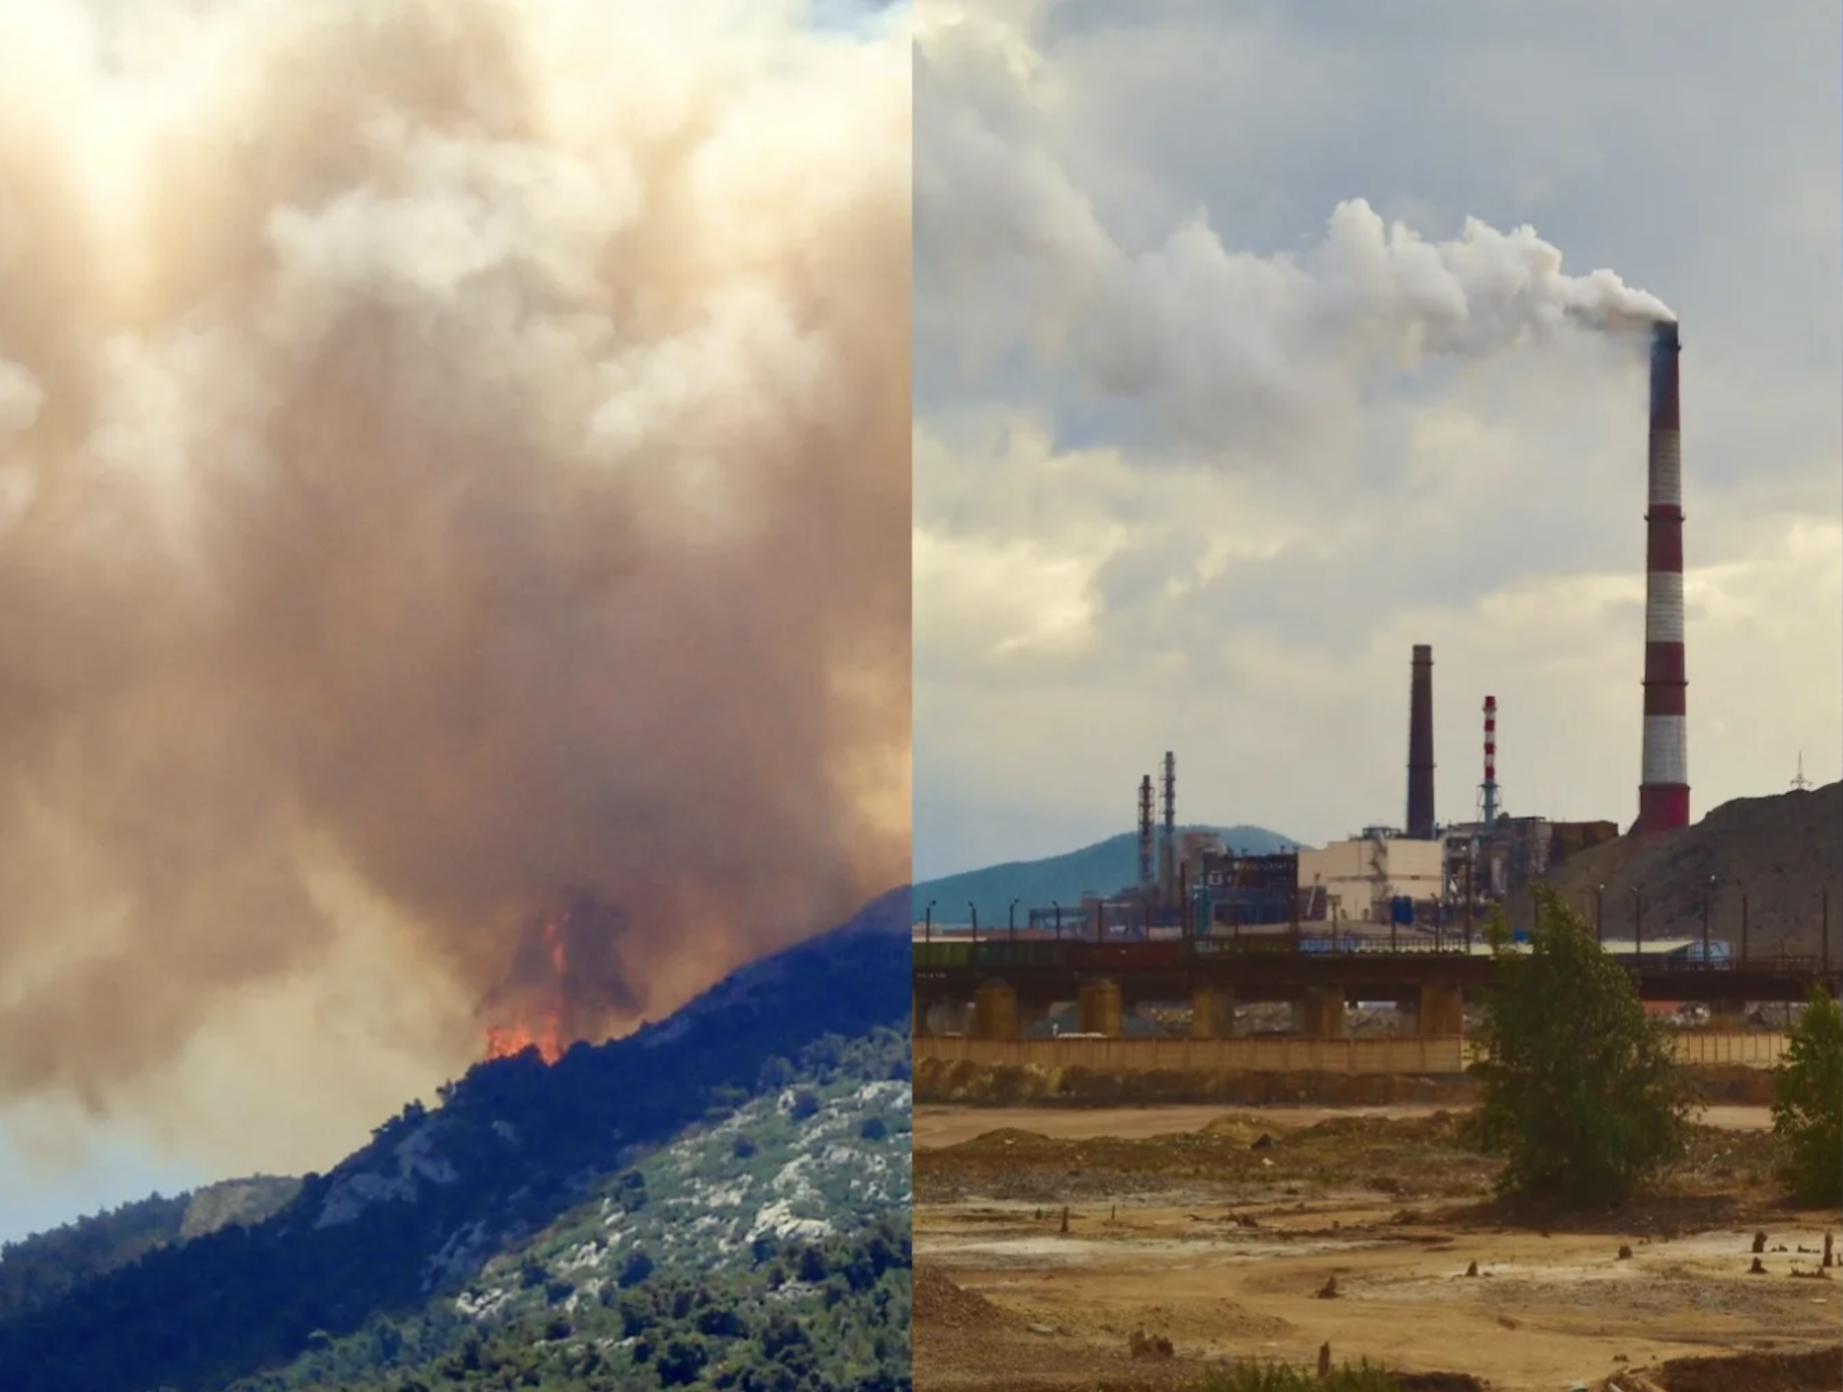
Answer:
[(1143, 955), (1244, 944), (995, 954), (937, 956)]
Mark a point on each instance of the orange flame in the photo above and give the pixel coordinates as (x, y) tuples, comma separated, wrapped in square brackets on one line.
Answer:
[(540, 1028), (508, 1041), (553, 934)]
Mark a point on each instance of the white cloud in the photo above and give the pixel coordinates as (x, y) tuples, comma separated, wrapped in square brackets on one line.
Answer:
[(1203, 445)]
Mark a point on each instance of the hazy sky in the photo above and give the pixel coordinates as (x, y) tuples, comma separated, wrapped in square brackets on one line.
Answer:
[(1195, 468)]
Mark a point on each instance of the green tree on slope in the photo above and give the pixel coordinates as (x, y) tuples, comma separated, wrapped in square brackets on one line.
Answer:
[(1581, 1091), (1808, 1101)]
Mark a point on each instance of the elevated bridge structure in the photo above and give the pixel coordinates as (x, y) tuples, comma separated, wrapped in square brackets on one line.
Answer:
[(996, 988)]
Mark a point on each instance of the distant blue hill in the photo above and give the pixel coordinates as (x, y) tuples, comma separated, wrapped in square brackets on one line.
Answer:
[(1105, 867)]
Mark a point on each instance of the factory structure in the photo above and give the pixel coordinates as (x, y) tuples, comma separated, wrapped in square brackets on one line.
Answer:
[(1425, 877), (1381, 882)]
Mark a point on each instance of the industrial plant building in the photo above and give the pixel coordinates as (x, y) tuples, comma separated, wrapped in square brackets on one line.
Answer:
[(1428, 878), (1360, 880)]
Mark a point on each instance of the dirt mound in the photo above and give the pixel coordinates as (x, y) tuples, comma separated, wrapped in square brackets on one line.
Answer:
[(1440, 1125), (966, 1083), (975, 1085), (1368, 1128), (1778, 851), (1007, 1138), (1818, 1370), (1733, 1084), (941, 1303), (1409, 1158), (1240, 1128)]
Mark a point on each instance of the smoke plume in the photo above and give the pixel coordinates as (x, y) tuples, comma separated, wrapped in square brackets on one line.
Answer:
[(453, 458), (1216, 347)]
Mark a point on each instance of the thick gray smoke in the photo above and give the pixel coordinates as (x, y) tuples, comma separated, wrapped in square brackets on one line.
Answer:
[(455, 455), (1216, 346)]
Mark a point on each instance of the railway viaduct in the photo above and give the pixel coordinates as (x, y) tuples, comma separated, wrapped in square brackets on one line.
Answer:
[(1011, 986)]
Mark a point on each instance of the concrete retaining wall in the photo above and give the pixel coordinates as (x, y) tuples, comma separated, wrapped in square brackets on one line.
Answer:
[(1749, 1048), (1712, 1048), (1404, 1055)]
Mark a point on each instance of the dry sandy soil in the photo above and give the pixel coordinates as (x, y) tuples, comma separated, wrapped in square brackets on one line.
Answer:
[(1218, 1230), (947, 1126)]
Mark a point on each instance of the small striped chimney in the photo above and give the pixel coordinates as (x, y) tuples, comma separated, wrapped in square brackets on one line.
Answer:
[(1490, 784), (1167, 833), (1663, 792)]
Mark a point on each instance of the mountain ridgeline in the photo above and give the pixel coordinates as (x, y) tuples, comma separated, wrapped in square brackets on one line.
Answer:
[(718, 1199), (1105, 867), (44, 1268)]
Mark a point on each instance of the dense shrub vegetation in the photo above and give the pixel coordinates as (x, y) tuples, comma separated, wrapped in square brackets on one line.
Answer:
[(44, 1268), (1582, 1095), (1808, 1102), (831, 1316)]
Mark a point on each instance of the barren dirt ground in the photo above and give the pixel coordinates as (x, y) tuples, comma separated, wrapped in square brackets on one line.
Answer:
[(1219, 1229), (946, 1126)]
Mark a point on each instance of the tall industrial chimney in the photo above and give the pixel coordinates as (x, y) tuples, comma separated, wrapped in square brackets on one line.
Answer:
[(1145, 834), (1663, 790), (1420, 746), (1489, 786), (1167, 840)]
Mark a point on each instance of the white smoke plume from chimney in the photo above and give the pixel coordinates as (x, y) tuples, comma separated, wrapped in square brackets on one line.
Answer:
[(1213, 344)]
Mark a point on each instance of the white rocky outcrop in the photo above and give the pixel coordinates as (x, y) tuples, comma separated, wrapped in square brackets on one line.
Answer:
[(414, 1162)]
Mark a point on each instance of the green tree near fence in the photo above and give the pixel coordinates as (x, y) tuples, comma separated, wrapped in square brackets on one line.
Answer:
[(1808, 1102), (1581, 1093)]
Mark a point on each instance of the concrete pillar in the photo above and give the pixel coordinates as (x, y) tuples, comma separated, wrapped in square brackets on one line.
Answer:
[(995, 1012), (1098, 1009), (1212, 1013), (1319, 1013), (1442, 1011)]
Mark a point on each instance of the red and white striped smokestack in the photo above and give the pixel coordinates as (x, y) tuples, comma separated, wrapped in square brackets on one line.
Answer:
[(1663, 792), (1490, 784)]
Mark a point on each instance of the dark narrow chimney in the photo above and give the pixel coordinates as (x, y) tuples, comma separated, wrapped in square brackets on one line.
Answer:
[(1145, 834), (1420, 745)]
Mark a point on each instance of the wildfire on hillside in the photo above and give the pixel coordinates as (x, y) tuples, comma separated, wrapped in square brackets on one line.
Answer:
[(508, 1041), (560, 988)]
